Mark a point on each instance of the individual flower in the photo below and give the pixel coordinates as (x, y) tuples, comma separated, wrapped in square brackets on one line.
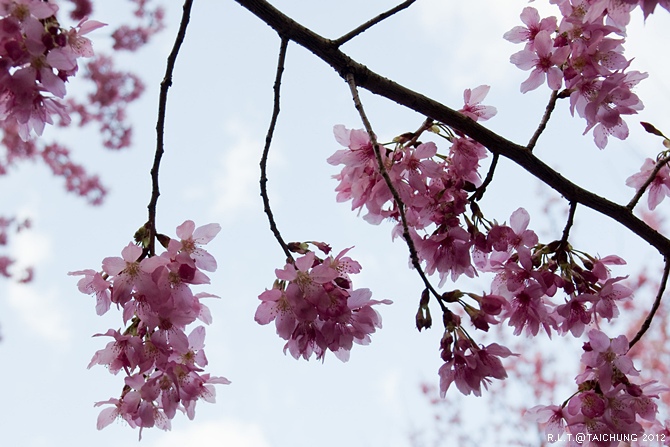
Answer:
[(659, 187), (545, 60), (473, 107), (531, 18)]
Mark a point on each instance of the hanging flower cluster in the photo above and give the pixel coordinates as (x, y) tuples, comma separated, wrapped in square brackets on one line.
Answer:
[(163, 366), (315, 307)]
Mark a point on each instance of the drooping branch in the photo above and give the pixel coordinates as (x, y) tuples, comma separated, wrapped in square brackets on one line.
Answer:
[(654, 307), (568, 224), (160, 125), (479, 193), (394, 192), (266, 150), (326, 50), (370, 23)]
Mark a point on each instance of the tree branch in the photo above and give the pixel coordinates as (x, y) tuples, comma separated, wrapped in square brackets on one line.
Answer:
[(654, 308), (365, 78), (479, 193), (545, 119), (160, 125), (266, 150), (389, 183), (638, 194), (568, 225), (370, 23)]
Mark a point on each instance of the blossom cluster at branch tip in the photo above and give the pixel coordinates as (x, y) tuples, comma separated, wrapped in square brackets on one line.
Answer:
[(37, 57), (607, 401), (315, 307), (436, 192), (584, 54), (163, 366)]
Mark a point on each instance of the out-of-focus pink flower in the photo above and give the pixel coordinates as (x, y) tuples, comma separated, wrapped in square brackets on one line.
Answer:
[(659, 187)]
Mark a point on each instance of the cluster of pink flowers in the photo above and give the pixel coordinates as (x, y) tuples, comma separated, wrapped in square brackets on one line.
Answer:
[(435, 192), (151, 21), (37, 57), (163, 365), (315, 307), (584, 52), (607, 405), (528, 276), (467, 365)]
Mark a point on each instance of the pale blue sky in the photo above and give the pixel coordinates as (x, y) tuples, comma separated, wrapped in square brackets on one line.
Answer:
[(218, 113)]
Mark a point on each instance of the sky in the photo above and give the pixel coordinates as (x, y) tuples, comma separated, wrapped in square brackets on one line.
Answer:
[(218, 111)]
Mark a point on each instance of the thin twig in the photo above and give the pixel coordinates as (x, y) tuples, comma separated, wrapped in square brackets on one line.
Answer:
[(266, 150), (638, 195), (427, 124), (545, 119), (160, 125), (479, 193), (370, 23), (568, 224), (389, 183), (654, 308)]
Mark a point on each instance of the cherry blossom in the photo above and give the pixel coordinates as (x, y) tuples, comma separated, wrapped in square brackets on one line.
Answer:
[(316, 309), (660, 185), (162, 365)]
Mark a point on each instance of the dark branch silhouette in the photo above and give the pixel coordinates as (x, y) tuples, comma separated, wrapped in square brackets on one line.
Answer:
[(266, 150), (326, 50), (160, 125)]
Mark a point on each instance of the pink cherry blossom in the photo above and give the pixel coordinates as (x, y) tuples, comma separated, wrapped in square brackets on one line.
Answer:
[(545, 62), (192, 238), (659, 187), (316, 309), (531, 18), (473, 107), (162, 365)]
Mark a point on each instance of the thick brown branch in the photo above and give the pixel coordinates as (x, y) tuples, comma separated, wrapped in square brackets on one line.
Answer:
[(160, 125), (326, 50)]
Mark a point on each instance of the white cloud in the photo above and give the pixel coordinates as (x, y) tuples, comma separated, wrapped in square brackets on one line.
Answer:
[(39, 309), (237, 186), (471, 35), (228, 432)]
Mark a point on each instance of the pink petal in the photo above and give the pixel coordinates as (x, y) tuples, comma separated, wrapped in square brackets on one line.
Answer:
[(106, 417), (185, 230), (519, 220), (89, 25), (196, 339), (206, 233), (479, 93), (341, 134), (535, 80)]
